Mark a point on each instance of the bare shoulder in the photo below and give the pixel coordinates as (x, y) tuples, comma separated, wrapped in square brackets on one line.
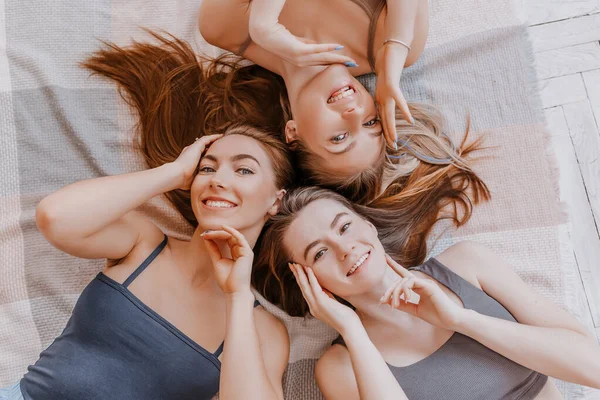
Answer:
[(466, 258), (335, 375), (274, 342)]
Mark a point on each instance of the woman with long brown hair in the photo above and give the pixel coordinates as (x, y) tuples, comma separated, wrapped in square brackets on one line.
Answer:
[(462, 325), (168, 318)]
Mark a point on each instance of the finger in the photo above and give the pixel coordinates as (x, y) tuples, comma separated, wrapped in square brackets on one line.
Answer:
[(403, 106), (323, 48), (389, 123), (213, 251), (328, 58), (388, 293), (216, 235), (313, 281), (399, 269), (304, 285), (206, 140), (306, 40), (395, 299), (239, 237), (406, 288)]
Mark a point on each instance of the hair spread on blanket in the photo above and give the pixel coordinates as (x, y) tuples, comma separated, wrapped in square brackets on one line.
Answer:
[(180, 96)]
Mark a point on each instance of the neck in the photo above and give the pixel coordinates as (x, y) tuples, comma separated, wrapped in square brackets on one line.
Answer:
[(296, 78), (195, 261), (373, 314)]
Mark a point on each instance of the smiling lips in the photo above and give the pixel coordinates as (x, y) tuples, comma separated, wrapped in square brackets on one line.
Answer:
[(215, 202), (340, 94), (359, 263)]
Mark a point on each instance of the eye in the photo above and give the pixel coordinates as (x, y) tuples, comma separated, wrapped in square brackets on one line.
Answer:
[(206, 169), (245, 171), (345, 227), (320, 254), (339, 138), (371, 123)]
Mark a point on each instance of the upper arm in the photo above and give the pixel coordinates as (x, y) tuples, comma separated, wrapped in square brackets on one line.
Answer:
[(274, 346), (115, 241), (224, 23), (499, 281), (335, 375)]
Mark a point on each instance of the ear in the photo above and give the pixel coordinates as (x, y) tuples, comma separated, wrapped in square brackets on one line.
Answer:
[(275, 207), (291, 132)]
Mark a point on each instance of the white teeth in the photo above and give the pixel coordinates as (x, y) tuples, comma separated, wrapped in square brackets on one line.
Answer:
[(358, 264), (345, 92), (219, 204)]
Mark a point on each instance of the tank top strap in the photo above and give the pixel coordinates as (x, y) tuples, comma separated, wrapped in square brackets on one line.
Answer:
[(146, 262), (445, 276), (220, 349)]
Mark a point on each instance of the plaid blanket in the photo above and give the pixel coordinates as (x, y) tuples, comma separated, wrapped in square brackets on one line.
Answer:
[(58, 126)]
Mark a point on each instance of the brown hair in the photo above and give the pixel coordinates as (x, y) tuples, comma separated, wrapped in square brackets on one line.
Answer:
[(403, 227), (179, 97)]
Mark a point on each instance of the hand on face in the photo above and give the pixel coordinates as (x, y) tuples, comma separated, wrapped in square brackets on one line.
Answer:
[(434, 306), (232, 274), (190, 157), (388, 67), (266, 31), (321, 302)]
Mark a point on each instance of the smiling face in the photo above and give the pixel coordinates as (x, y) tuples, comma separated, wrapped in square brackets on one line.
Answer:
[(335, 117), (341, 247), (235, 185)]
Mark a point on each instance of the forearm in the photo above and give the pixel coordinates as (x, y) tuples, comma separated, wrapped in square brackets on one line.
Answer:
[(243, 371), (557, 352), (83, 208), (400, 19), (373, 376)]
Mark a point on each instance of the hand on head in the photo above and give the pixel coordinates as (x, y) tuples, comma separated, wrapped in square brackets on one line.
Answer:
[(190, 157)]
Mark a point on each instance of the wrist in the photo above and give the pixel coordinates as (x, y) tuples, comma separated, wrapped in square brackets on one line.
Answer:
[(176, 174), (466, 321), (241, 297), (352, 328)]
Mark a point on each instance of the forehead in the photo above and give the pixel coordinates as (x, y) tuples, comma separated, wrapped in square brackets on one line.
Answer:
[(310, 224), (231, 145)]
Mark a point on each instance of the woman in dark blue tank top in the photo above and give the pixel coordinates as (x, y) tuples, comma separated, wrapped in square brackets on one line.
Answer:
[(462, 326), (167, 318)]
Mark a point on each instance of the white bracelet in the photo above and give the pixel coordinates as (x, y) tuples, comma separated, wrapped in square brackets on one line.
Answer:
[(397, 41)]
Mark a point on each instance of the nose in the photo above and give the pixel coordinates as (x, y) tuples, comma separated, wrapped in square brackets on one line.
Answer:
[(351, 113), (219, 180), (345, 248)]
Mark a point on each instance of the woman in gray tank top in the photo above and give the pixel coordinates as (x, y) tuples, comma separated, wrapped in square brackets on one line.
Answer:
[(461, 326)]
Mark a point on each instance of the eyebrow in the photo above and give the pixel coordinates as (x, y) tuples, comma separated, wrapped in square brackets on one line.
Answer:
[(333, 223), (237, 157)]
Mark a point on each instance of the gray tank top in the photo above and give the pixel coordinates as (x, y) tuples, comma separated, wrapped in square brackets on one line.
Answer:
[(464, 368)]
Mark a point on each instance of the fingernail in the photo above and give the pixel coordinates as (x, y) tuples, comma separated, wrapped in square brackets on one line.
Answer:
[(339, 47), (351, 64), (396, 146), (205, 232), (412, 120)]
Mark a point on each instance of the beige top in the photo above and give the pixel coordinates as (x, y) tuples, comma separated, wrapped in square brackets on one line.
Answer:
[(371, 7)]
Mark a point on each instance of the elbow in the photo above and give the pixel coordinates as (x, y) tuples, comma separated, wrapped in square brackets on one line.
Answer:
[(45, 218), (208, 29)]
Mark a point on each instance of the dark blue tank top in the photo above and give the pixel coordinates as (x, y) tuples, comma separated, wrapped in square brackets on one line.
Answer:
[(116, 347)]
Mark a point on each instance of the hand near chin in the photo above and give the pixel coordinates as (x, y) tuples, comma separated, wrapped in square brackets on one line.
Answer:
[(389, 64), (321, 302), (266, 31), (231, 273), (433, 305), (190, 157)]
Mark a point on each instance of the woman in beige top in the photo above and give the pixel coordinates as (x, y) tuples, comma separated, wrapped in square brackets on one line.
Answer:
[(318, 47)]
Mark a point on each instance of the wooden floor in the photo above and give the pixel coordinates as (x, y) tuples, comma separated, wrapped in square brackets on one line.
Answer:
[(566, 40)]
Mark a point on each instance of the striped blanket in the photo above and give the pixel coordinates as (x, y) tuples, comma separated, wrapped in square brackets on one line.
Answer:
[(59, 125)]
